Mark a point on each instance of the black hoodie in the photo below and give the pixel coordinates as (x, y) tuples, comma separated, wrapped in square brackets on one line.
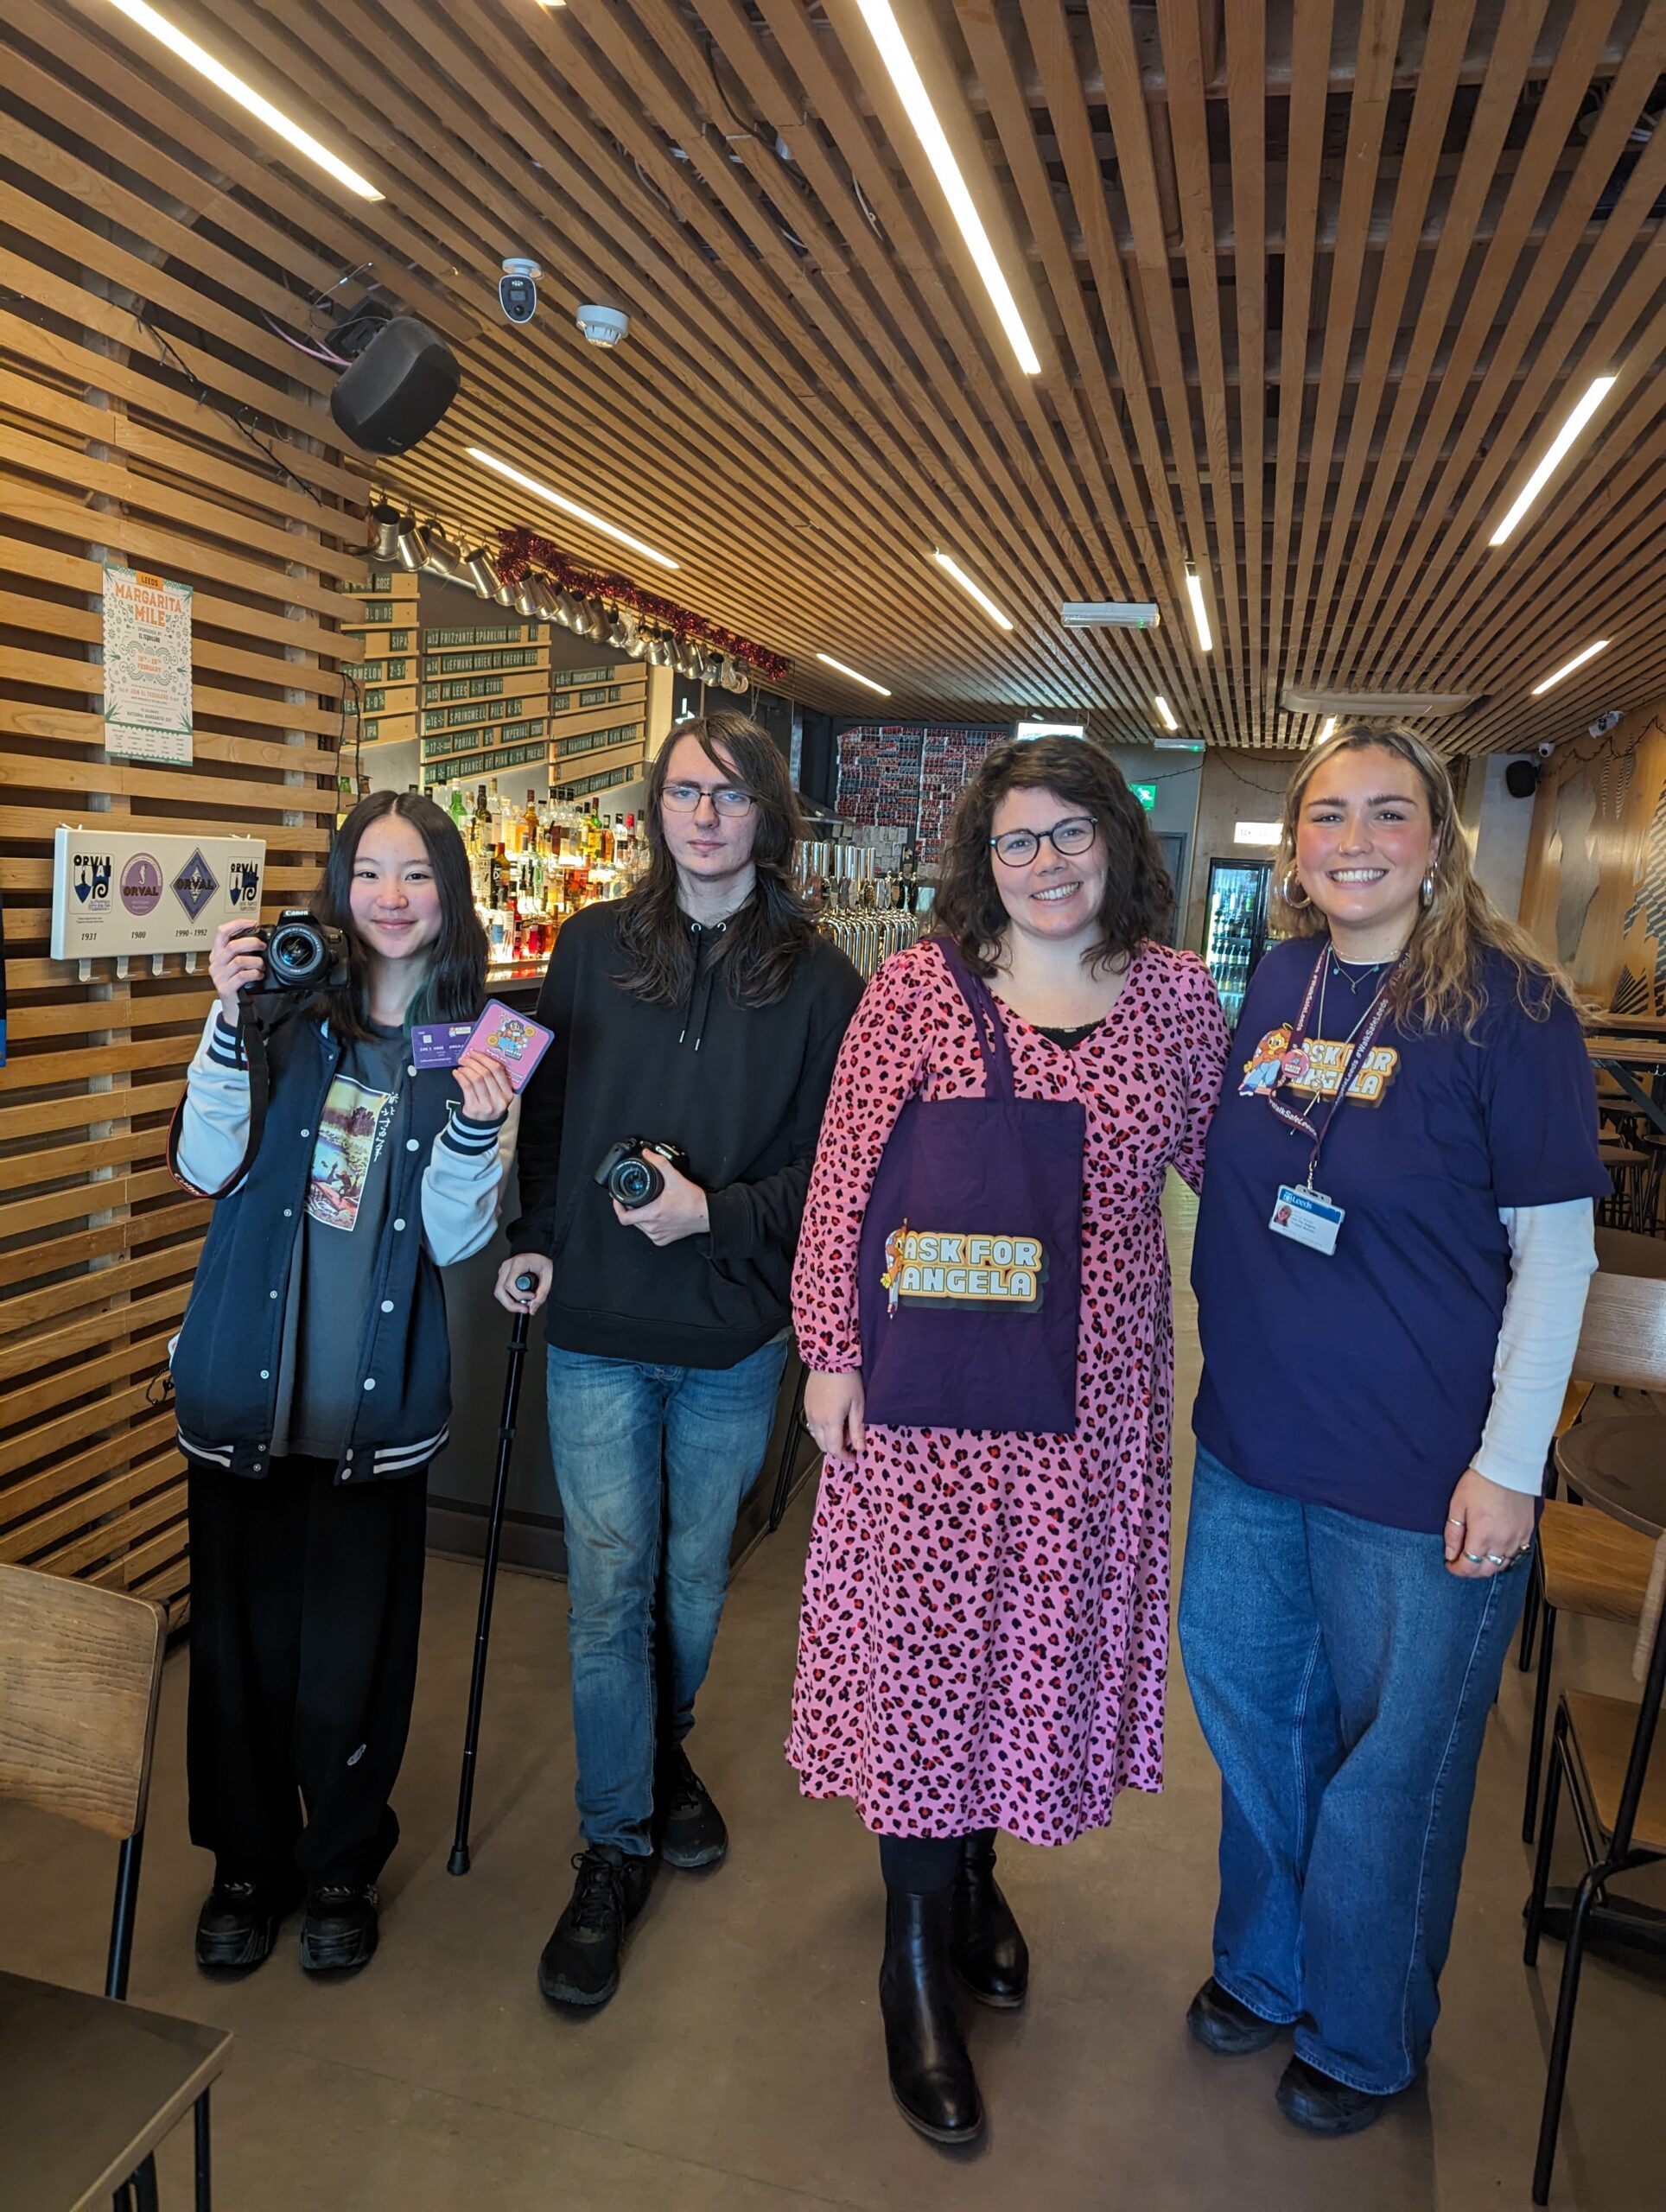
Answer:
[(740, 1088)]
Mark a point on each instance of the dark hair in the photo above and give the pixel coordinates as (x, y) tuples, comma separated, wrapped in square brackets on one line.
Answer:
[(765, 942), (454, 989), (1138, 895)]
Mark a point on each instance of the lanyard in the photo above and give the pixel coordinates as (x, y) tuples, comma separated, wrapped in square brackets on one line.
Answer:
[(1361, 1042)]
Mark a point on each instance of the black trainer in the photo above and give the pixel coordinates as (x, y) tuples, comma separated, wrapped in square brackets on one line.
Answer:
[(687, 1826), (339, 1933), (1220, 2024), (1321, 2106), (580, 1965), (238, 1926)]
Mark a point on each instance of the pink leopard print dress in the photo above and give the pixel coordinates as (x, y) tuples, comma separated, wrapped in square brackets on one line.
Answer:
[(984, 1637)]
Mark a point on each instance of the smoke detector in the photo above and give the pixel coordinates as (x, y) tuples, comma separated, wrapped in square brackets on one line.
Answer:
[(603, 325)]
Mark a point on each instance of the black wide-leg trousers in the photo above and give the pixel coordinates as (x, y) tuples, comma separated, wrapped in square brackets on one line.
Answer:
[(306, 1602)]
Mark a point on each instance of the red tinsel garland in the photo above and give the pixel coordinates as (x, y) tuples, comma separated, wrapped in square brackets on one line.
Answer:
[(521, 550)]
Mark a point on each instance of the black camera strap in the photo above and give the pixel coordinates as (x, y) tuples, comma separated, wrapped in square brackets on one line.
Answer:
[(251, 1044)]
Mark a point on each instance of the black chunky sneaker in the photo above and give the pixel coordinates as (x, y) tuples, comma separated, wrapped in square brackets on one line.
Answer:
[(580, 1965), (238, 1926), (1220, 2024), (339, 1933), (1320, 2105), (689, 1827)]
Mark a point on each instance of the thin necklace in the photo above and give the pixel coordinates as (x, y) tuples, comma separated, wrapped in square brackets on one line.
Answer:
[(1343, 968)]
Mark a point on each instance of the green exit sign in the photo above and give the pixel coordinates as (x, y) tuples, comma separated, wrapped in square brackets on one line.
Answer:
[(1147, 795)]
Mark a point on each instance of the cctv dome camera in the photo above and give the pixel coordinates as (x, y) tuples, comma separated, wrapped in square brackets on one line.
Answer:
[(1545, 750), (603, 325)]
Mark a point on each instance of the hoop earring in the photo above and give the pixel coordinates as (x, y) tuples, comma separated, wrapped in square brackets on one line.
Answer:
[(1287, 893), (1426, 889)]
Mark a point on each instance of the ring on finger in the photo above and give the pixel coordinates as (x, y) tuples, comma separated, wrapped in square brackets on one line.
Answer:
[(1474, 1559), (1495, 1558)]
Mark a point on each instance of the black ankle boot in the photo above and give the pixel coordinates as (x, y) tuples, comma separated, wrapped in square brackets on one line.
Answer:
[(931, 2076), (990, 1955)]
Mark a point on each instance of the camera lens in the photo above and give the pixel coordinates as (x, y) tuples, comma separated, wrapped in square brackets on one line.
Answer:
[(294, 955), (635, 1183)]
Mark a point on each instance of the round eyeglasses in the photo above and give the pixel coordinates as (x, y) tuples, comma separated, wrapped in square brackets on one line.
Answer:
[(684, 799), (1017, 848)]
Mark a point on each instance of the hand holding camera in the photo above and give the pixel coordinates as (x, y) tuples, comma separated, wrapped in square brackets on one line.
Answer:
[(295, 953), (650, 1192)]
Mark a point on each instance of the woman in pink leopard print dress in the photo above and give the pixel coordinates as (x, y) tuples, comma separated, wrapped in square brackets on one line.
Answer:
[(985, 1626)]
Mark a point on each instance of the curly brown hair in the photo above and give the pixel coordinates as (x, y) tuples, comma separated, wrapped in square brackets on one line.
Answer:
[(1138, 895)]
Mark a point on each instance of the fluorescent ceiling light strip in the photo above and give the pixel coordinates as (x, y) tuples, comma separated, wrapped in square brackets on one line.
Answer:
[(1569, 666), (569, 506), (855, 675), (893, 51), (973, 591), (1167, 712), (1199, 610), (1028, 730), (1589, 401), (246, 95), (1327, 728)]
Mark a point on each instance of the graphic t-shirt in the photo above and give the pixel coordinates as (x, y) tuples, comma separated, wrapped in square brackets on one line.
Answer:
[(1361, 1378), (328, 1310)]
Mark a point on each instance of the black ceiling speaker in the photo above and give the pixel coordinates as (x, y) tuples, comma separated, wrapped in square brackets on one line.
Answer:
[(1521, 779), (401, 383)]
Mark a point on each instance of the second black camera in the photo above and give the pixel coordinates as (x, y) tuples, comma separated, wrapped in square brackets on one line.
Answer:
[(632, 1180)]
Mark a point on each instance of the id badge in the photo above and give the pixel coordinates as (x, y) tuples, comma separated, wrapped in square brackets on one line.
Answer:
[(1307, 1216)]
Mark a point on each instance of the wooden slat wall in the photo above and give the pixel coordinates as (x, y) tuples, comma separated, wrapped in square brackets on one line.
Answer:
[(1595, 891), (107, 453)]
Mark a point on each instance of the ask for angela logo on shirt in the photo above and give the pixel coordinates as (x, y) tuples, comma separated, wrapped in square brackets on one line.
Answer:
[(1314, 1068)]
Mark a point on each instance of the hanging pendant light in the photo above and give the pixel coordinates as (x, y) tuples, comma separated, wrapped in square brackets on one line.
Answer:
[(526, 598), (411, 544)]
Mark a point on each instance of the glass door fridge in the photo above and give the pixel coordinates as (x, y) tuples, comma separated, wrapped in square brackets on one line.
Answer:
[(1235, 928)]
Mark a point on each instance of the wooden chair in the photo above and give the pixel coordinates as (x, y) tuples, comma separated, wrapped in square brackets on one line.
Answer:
[(1602, 1748), (91, 2083), (1587, 1563)]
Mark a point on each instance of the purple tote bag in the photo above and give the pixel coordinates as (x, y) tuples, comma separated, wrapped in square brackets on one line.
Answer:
[(971, 1259)]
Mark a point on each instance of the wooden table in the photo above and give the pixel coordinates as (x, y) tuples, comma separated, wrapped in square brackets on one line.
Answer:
[(1624, 1025), (1621, 1056), (90, 2087)]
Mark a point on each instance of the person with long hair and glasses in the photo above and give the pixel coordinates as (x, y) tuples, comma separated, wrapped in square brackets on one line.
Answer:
[(666, 1143), (311, 1373), (982, 1295), (1391, 1260)]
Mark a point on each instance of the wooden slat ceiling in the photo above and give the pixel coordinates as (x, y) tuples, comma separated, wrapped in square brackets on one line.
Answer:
[(1313, 284)]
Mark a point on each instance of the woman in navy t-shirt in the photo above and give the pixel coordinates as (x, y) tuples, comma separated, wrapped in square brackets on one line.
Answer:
[(1392, 1252)]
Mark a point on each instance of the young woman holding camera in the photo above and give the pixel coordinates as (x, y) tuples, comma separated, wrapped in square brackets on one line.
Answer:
[(312, 1373)]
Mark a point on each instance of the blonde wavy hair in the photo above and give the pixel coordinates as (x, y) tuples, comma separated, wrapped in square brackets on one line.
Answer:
[(1441, 982)]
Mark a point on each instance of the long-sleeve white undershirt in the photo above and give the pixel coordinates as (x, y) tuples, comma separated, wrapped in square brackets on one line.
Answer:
[(1552, 1256)]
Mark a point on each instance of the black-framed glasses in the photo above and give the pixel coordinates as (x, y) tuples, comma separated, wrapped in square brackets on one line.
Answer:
[(684, 799), (1017, 848)]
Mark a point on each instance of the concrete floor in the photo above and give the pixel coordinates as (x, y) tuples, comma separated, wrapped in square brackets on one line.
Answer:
[(741, 2065)]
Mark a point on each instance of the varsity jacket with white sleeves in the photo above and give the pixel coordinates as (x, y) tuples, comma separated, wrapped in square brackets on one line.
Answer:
[(446, 1182)]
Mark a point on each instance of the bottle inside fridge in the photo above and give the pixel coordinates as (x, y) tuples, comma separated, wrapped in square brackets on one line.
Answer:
[(1234, 930)]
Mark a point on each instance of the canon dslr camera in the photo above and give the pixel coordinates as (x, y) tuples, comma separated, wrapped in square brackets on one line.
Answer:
[(301, 955), (632, 1180)]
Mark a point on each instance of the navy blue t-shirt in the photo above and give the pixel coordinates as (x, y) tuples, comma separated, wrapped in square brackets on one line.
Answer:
[(1361, 1378)]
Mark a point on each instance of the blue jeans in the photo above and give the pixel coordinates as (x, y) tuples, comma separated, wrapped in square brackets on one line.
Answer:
[(652, 1464), (1343, 1678)]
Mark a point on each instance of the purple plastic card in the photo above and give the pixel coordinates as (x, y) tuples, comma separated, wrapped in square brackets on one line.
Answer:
[(439, 1044), (514, 1041)]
